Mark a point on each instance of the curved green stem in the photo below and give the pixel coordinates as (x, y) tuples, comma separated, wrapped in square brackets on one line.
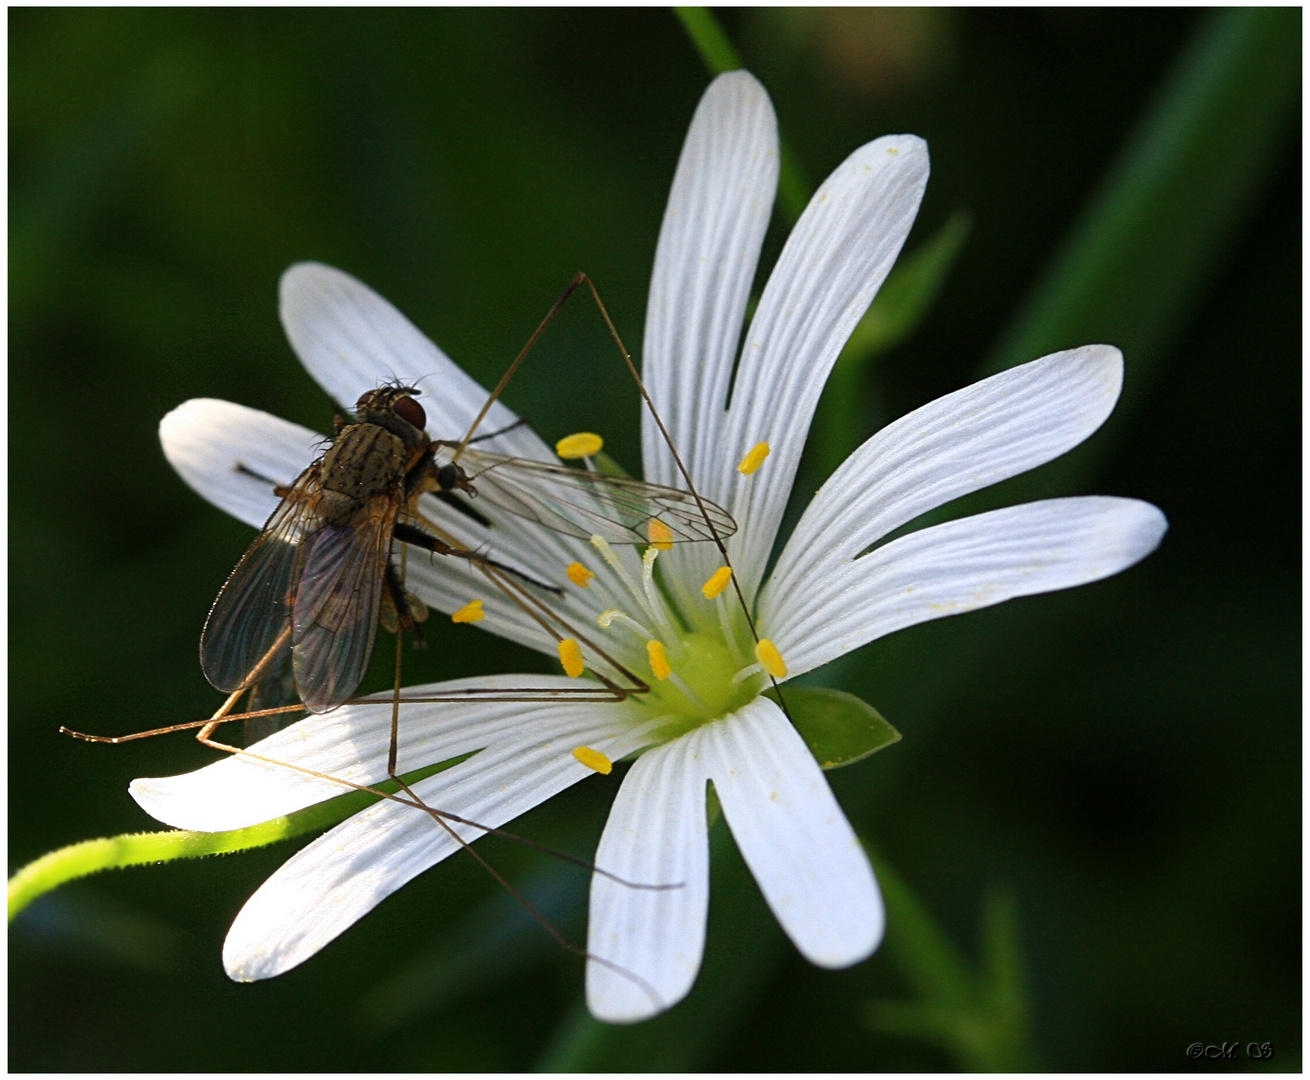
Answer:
[(135, 849)]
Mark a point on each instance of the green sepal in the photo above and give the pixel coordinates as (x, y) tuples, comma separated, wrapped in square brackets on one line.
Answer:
[(838, 727)]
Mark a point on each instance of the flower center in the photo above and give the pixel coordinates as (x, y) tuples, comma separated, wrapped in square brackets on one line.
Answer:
[(700, 687)]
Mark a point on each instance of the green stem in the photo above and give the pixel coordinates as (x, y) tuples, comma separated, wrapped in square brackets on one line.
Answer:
[(135, 849)]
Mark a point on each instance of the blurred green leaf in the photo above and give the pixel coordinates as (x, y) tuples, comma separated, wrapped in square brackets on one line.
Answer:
[(1147, 245), (979, 1018), (904, 300), (56, 196), (839, 728), (908, 294)]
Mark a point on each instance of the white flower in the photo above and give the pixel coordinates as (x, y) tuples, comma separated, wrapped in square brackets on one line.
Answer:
[(835, 586)]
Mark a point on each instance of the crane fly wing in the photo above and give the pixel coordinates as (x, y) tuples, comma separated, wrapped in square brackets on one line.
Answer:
[(582, 503), (253, 609), (336, 606)]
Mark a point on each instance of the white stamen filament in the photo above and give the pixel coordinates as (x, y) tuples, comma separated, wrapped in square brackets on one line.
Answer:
[(606, 618), (653, 599), (726, 626), (616, 564), (687, 692), (746, 672)]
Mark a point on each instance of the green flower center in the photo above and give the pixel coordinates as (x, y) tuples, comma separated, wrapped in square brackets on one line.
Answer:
[(701, 687)]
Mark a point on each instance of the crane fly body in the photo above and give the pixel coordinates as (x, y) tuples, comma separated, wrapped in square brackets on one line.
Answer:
[(302, 607)]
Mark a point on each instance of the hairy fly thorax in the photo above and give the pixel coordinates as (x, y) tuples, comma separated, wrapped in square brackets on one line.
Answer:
[(385, 452)]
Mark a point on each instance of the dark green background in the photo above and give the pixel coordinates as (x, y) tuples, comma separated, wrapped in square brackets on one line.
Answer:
[(1123, 757)]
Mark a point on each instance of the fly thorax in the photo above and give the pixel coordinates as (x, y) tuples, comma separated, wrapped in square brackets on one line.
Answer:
[(365, 461)]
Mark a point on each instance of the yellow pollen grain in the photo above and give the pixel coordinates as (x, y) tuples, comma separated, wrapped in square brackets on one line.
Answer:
[(593, 759), (659, 663), (470, 612), (581, 445), (579, 575), (659, 534), (570, 655), (754, 458), (717, 582), (766, 652)]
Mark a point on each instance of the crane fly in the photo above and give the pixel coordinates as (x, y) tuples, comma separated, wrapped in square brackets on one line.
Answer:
[(312, 586)]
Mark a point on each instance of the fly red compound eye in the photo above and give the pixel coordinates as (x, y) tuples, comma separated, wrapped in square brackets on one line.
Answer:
[(411, 412)]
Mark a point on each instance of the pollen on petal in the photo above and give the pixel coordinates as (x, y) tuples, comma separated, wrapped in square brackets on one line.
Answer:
[(659, 534), (754, 458), (770, 659), (593, 759), (579, 574), (570, 655), (581, 445), (718, 581), (470, 612), (659, 662)]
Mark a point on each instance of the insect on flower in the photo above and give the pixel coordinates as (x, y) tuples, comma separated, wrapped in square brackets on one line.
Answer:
[(312, 585)]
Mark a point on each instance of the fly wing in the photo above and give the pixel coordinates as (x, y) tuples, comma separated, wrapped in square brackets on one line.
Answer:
[(250, 622), (584, 503), (336, 607)]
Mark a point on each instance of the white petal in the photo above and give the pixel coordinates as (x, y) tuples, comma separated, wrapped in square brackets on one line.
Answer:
[(209, 442), (351, 340), (352, 743), (794, 836), (834, 262), (961, 566), (709, 244), (994, 429), (348, 871), (656, 835)]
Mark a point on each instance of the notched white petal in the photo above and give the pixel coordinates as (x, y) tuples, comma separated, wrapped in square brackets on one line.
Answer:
[(650, 939), (351, 340), (794, 836), (979, 435), (338, 878), (234, 456), (352, 743), (833, 264), (961, 566), (714, 224)]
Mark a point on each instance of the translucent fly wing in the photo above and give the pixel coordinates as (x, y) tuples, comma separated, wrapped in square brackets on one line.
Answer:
[(336, 608), (249, 625), (583, 503), (276, 687)]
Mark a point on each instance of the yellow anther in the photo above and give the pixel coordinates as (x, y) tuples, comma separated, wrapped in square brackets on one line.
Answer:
[(659, 663), (579, 574), (570, 655), (470, 612), (593, 759), (581, 445), (659, 534), (766, 652), (717, 583), (754, 458)]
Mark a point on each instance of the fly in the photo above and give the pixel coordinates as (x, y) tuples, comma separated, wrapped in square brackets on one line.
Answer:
[(311, 588)]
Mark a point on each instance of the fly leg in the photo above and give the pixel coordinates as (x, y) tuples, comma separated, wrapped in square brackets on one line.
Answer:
[(412, 534)]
